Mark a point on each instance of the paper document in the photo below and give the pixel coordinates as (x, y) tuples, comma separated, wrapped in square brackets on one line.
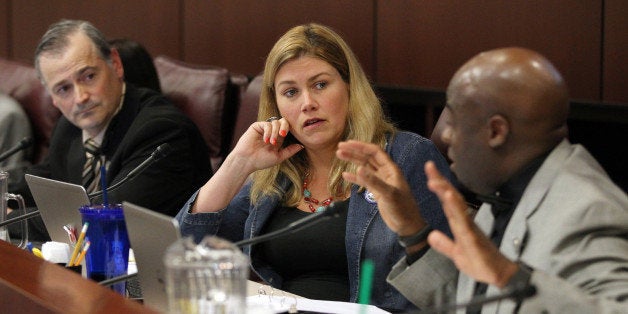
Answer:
[(281, 304)]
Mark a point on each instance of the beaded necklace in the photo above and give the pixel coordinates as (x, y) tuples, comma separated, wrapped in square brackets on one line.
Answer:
[(310, 201)]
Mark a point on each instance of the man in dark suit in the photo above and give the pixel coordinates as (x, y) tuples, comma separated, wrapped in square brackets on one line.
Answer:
[(122, 123)]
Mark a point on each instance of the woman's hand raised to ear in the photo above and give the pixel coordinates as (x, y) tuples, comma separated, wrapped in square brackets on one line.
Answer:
[(260, 146)]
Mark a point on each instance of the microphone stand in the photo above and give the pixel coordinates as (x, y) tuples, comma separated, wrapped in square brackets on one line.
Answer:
[(161, 151), (19, 218), (111, 188), (114, 280), (333, 210), (23, 144), (518, 293)]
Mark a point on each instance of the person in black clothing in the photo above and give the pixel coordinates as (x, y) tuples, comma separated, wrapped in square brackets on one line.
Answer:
[(137, 63), (84, 76)]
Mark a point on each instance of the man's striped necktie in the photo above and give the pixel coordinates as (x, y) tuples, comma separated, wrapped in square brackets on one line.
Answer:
[(91, 170)]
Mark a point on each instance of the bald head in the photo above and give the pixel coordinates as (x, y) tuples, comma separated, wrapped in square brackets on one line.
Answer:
[(521, 85), (516, 103)]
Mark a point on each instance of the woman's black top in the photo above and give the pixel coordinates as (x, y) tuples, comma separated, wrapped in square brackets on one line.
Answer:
[(311, 261)]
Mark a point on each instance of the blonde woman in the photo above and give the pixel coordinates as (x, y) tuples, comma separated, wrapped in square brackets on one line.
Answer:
[(314, 95)]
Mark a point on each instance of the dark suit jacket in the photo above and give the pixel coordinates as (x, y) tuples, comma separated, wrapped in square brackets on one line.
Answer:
[(145, 121)]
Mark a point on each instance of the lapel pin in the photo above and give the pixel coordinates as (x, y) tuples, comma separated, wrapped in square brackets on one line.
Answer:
[(369, 197)]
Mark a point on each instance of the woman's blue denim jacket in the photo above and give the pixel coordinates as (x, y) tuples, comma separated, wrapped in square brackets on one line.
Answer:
[(367, 236)]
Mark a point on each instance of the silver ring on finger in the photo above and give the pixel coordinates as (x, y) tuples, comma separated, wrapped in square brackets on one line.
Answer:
[(271, 119)]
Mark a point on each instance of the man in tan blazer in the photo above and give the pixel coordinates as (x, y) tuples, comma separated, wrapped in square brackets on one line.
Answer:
[(551, 217)]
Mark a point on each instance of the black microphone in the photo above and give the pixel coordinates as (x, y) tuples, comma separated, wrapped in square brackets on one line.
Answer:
[(333, 210), (23, 144), (114, 280), (518, 293), (160, 152), (19, 218)]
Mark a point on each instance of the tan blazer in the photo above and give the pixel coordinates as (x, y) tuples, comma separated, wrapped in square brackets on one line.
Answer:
[(570, 226)]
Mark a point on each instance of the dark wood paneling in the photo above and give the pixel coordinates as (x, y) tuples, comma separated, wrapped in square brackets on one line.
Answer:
[(422, 43), (418, 44), (154, 23), (615, 80), (4, 28), (239, 34), (400, 43)]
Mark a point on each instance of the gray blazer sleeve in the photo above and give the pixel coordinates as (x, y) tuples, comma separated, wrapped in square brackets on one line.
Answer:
[(429, 281)]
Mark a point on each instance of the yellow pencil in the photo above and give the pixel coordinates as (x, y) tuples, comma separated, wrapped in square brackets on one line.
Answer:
[(83, 252), (78, 244), (37, 252)]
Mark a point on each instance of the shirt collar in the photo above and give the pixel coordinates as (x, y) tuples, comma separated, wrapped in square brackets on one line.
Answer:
[(508, 195)]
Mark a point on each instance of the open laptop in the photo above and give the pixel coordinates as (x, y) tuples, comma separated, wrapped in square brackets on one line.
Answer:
[(151, 234), (58, 204)]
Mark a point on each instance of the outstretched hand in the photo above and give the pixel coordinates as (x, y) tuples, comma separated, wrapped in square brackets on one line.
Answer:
[(472, 252), (382, 177)]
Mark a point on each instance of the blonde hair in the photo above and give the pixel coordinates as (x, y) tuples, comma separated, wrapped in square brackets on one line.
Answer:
[(365, 120)]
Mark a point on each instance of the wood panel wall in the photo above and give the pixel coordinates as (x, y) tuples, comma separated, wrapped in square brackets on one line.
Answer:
[(416, 44), (447, 33), (615, 47), (155, 23), (240, 33), (4, 28)]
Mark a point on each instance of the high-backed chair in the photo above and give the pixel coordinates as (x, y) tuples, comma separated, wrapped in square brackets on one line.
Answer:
[(247, 111), (240, 85), (202, 92), (20, 81)]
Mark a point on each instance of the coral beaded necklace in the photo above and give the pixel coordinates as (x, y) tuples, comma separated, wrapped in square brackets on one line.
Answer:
[(314, 204)]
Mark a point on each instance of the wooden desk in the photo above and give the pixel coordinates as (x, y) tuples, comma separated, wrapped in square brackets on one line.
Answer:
[(29, 284)]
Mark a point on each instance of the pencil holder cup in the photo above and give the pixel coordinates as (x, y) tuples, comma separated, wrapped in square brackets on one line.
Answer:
[(77, 269), (108, 255)]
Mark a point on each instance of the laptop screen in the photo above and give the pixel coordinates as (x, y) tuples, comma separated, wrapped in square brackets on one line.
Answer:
[(150, 234), (58, 204)]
